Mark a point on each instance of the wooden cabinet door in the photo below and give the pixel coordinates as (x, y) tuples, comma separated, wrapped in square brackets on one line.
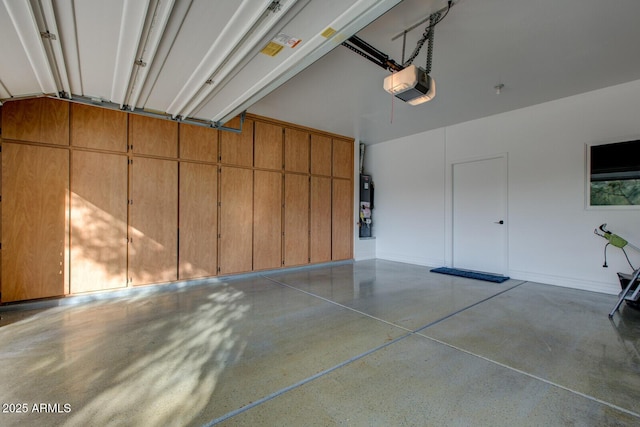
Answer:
[(296, 219), (35, 186), (268, 146), (236, 220), (98, 221), (153, 221), (341, 220), (320, 155), (198, 143), (267, 220), (320, 219), (296, 151), (154, 137), (43, 120), (100, 128), (342, 158), (198, 243), (237, 148)]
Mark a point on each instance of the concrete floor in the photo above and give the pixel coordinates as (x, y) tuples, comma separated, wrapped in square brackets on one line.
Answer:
[(374, 343)]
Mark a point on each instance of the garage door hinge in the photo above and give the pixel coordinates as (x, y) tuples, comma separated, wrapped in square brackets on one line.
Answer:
[(48, 35)]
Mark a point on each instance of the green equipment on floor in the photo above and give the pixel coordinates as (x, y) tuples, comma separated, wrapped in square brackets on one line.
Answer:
[(628, 282)]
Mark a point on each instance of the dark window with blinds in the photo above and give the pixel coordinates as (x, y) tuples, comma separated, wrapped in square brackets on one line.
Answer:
[(614, 174)]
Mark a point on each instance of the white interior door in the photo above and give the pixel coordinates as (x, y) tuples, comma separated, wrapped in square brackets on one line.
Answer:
[(479, 215)]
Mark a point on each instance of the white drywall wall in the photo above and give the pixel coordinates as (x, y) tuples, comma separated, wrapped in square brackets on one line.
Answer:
[(550, 229)]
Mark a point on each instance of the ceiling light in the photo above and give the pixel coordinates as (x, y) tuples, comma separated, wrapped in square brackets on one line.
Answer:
[(412, 85), (498, 88)]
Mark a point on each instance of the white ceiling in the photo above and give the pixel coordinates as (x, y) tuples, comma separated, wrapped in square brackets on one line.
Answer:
[(540, 50), (202, 57)]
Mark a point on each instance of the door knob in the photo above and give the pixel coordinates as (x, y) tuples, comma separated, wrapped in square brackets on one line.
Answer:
[(499, 222)]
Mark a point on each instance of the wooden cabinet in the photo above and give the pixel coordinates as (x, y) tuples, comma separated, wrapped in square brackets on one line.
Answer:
[(342, 158), (35, 186), (320, 155), (42, 120), (198, 143), (98, 248), (268, 146), (153, 137), (198, 220), (320, 220), (153, 221), (98, 128), (267, 220), (237, 148), (97, 199), (341, 220), (236, 220), (296, 219), (296, 150)]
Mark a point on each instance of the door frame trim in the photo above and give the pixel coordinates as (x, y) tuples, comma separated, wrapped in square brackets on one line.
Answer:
[(448, 214)]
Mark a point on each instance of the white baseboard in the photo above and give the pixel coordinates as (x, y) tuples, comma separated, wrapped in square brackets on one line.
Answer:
[(407, 259), (567, 282)]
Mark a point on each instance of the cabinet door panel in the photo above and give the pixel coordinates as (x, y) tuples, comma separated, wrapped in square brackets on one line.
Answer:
[(198, 220), (342, 158), (296, 151), (268, 146), (267, 220), (320, 217), (35, 186), (296, 219), (342, 219), (43, 120), (153, 251), (155, 137), (95, 127), (198, 143), (236, 220), (320, 155), (237, 148), (98, 221)]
